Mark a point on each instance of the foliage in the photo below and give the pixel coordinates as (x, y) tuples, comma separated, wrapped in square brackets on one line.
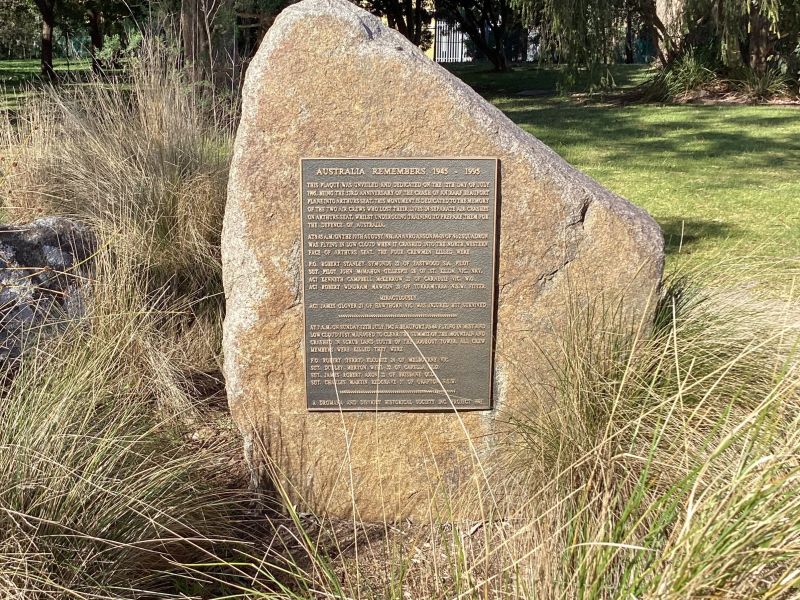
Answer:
[(488, 24), (665, 466), (252, 20), (762, 86), (145, 162), (737, 27), (580, 29), (411, 18), (18, 29), (735, 33), (102, 494), (117, 48), (687, 74), (588, 33), (639, 432), (106, 491)]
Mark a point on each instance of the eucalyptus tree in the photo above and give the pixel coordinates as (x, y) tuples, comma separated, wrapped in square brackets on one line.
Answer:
[(47, 12)]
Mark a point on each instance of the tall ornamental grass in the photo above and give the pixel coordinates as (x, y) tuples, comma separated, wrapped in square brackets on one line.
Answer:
[(103, 495), (142, 158), (112, 476), (668, 466)]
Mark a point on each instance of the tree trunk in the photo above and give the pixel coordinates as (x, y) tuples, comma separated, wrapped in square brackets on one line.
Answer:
[(408, 16), (629, 37), (476, 34), (498, 57), (497, 53), (419, 26), (96, 38), (759, 40), (47, 10), (501, 62), (401, 17), (656, 30), (193, 35), (188, 34)]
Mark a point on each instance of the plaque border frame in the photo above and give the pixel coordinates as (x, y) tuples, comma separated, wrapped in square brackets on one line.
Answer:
[(495, 228)]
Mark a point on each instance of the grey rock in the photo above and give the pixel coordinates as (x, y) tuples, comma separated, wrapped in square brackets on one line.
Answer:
[(43, 265)]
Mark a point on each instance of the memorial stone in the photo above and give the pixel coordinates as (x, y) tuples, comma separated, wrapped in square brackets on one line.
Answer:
[(401, 264)]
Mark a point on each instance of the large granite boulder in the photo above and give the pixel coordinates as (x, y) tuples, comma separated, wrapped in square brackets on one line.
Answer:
[(331, 80), (43, 265)]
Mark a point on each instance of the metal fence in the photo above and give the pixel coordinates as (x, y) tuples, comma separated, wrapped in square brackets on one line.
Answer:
[(449, 43)]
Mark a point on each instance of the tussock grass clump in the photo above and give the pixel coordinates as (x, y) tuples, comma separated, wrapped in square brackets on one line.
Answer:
[(143, 159), (666, 466), (702, 413), (692, 78), (762, 86), (675, 82), (102, 495)]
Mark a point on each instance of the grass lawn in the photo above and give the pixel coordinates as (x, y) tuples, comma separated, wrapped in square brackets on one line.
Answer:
[(723, 181), (16, 77)]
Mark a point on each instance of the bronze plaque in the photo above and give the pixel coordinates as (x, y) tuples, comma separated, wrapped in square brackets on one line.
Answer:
[(398, 282)]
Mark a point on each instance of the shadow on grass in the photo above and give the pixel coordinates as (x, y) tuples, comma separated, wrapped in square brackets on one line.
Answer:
[(543, 79), (681, 234), (20, 79), (763, 136)]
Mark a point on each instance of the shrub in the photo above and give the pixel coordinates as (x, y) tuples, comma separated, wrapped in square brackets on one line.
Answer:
[(762, 86), (685, 75)]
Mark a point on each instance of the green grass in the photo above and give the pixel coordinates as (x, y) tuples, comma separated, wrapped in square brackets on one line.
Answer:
[(17, 77), (531, 77), (720, 180)]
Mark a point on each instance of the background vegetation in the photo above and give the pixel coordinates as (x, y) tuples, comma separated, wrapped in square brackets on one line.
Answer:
[(669, 467), (752, 45), (719, 178)]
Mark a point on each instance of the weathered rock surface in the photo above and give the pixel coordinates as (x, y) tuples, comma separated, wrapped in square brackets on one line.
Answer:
[(42, 265), (332, 80)]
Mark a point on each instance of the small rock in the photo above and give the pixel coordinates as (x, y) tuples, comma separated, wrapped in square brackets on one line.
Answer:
[(42, 266)]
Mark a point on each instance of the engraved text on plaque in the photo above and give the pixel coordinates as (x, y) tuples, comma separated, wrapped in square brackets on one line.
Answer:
[(398, 281)]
